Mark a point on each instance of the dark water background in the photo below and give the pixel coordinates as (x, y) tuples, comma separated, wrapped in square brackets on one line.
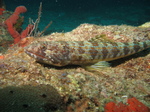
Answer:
[(68, 14)]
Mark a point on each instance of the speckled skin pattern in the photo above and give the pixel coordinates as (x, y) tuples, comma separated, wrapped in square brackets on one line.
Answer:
[(61, 53)]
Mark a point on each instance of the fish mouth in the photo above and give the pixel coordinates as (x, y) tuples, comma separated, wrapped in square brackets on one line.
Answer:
[(36, 56), (42, 59)]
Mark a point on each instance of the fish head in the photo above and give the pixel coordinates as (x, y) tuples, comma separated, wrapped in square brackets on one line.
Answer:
[(52, 53)]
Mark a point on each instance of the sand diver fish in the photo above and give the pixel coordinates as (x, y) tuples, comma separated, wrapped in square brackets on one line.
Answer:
[(61, 53)]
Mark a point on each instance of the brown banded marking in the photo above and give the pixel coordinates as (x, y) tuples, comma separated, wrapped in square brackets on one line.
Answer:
[(81, 43), (81, 50), (115, 52), (105, 52), (93, 52), (136, 48), (61, 53), (94, 43)]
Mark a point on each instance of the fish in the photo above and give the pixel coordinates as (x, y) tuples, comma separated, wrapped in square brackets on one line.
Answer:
[(62, 53)]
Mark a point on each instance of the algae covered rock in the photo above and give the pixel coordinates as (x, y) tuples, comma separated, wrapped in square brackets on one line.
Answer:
[(43, 98), (145, 25)]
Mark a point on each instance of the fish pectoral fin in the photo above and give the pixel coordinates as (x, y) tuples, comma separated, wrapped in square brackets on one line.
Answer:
[(97, 66)]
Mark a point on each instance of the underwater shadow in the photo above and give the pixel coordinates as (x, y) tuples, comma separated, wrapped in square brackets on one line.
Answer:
[(60, 68)]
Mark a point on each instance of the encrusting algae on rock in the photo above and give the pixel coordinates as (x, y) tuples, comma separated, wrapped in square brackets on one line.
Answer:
[(79, 89)]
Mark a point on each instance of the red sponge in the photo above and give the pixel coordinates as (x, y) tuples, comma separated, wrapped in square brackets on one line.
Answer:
[(20, 9), (12, 20), (133, 106)]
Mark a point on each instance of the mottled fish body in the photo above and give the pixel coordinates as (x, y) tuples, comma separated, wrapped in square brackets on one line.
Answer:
[(61, 53)]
